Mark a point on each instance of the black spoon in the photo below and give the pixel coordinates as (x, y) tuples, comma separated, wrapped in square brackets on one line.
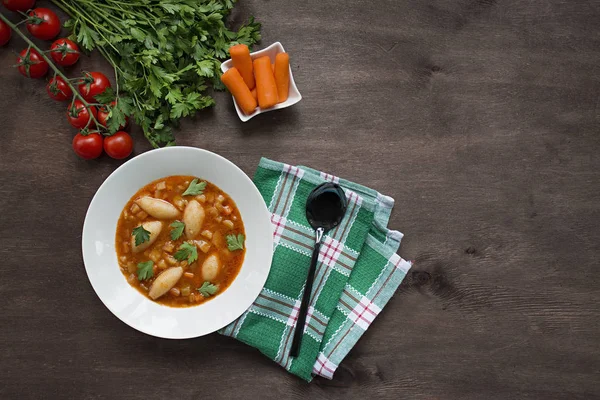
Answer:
[(325, 208)]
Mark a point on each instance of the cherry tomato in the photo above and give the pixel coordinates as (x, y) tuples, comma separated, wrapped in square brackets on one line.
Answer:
[(5, 33), (64, 52), (18, 5), (92, 84), (119, 145), (103, 116), (79, 116), (58, 89), (88, 146), (31, 64), (43, 23)]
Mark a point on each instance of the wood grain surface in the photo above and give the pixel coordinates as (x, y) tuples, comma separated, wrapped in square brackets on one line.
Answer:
[(480, 117)]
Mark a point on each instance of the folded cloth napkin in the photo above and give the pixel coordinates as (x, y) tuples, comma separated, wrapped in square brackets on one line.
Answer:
[(357, 273)]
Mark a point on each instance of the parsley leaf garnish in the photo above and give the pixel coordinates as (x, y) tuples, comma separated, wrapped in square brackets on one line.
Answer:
[(235, 242), (145, 270), (186, 251), (195, 188), (177, 230), (141, 235), (208, 289)]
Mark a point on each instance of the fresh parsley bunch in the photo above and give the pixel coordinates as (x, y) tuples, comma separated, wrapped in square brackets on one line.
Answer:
[(165, 53)]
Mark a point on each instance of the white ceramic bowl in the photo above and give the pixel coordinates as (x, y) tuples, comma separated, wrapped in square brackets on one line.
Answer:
[(293, 96), (99, 255)]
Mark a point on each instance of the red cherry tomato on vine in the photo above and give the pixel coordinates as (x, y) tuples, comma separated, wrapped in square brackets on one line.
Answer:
[(79, 116), (18, 5), (92, 84), (31, 64), (43, 23), (64, 52), (88, 146), (103, 116), (58, 89), (5, 33), (119, 145)]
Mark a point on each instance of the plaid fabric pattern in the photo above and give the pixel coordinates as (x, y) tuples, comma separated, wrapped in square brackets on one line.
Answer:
[(357, 273)]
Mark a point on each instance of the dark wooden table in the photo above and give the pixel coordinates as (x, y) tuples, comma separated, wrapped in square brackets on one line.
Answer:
[(481, 118)]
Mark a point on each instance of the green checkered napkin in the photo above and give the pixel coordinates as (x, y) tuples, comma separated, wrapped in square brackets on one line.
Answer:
[(357, 273)]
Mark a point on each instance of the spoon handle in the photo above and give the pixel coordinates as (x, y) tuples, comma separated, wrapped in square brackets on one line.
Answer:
[(305, 301)]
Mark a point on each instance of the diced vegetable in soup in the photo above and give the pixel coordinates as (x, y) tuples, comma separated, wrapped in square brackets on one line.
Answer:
[(180, 241)]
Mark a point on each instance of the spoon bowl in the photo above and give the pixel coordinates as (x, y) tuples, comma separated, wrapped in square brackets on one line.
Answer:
[(326, 206)]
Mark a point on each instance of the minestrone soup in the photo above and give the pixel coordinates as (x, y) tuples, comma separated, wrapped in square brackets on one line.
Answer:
[(180, 241)]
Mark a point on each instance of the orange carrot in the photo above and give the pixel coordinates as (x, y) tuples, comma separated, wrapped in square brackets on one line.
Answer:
[(253, 91), (236, 85), (282, 75), (240, 55), (273, 67), (266, 89)]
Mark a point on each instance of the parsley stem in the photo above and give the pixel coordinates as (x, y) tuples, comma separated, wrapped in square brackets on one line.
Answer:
[(116, 81), (74, 14), (62, 7), (105, 54), (128, 4), (137, 101), (56, 70), (103, 16), (114, 8), (77, 12)]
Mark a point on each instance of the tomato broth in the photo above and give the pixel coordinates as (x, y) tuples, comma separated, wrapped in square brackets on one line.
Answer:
[(180, 241)]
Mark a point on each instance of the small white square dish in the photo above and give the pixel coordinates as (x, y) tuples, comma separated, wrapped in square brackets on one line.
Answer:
[(294, 95)]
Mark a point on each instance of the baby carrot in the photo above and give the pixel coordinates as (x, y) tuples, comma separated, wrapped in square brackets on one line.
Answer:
[(282, 75), (253, 91), (236, 85), (240, 55), (266, 89)]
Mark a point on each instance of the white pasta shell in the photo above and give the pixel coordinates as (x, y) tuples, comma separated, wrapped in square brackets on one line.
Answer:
[(157, 208), (154, 227), (193, 218), (164, 282), (210, 268)]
